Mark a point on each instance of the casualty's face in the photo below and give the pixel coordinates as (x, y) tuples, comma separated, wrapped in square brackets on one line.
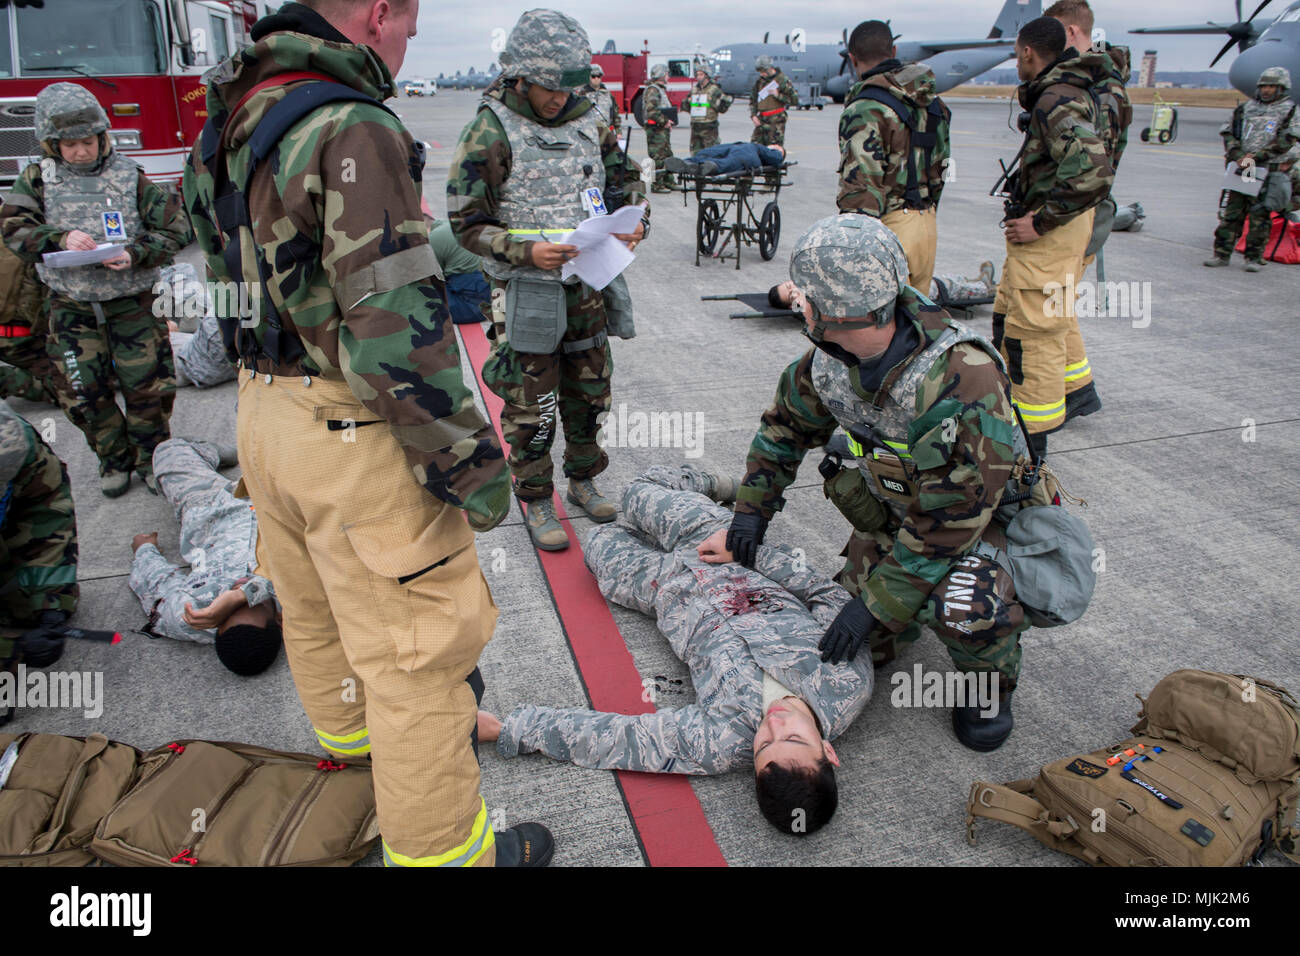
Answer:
[(546, 103), (79, 151), (789, 736)]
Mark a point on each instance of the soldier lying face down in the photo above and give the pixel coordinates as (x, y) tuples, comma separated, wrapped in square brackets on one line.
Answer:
[(750, 640)]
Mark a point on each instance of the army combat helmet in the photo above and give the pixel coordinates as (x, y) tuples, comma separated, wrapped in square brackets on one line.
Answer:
[(69, 111), (763, 62), (548, 48), (849, 266), (1278, 76), (658, 72)]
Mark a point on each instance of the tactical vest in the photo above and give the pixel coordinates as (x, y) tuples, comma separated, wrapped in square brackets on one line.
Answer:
[(921, 141), (106, 206), (887, 467), (774, 101), (603, 100), (701, 106), (550, 168), (1260, 123)]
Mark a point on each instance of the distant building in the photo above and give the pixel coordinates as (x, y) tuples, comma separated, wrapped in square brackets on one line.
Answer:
[(1147, 76)]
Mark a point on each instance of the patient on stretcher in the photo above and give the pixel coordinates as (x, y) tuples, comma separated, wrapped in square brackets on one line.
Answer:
[(728, 158)]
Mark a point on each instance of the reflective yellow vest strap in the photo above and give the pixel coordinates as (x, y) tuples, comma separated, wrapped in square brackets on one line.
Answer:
[(897, 447), (480, 839), (353, 745)]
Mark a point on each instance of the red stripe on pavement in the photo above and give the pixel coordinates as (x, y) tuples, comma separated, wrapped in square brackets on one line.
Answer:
[(665, 812)]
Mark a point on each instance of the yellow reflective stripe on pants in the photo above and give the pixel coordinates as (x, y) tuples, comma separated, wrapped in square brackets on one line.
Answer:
[(1077, 371), (352, 744), (480, 840), (1041, 413)]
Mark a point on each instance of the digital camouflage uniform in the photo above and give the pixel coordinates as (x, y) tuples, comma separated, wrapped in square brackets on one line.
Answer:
[(706, 102), (1268, 131), (772, 110), (606, 106), (571, 386), (658, 138), (38, 531), (1063, 173), (360, 445), (218, 542), (875, 145), (200, 356), (102, 325), (950, 438), (730, 625)]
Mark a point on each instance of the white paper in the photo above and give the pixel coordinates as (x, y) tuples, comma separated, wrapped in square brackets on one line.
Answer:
[(83, 257), (1233, 179), (769, 90), (601, 257)]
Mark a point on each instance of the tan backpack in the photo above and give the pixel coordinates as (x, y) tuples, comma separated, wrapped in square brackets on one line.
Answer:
[(1211, 777), (68, 801)]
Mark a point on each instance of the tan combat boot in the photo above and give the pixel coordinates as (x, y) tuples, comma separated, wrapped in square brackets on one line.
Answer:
[(545, 528), (584, 494)]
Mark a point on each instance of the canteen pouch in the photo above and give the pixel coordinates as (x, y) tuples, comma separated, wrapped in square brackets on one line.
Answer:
[(848, 492), (536, 315), (1277, 192), (618, 309)]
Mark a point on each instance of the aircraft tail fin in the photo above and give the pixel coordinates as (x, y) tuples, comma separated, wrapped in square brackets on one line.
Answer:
[(1014, 15)]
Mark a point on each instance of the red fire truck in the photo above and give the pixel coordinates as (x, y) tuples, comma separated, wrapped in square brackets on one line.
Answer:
[(142, 59), (626, 75)]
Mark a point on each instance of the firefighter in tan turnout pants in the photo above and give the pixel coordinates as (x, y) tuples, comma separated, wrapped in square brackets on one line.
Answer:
[(360, 446)]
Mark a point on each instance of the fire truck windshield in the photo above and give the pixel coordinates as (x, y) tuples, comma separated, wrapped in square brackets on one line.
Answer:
[(90, 38)]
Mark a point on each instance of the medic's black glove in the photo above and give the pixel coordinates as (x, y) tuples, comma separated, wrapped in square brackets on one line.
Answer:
[(744, 536), (42, 646), (845, 636)]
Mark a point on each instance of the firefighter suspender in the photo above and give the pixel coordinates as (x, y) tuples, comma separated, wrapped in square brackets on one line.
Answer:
[(230, 211), (925, 139)]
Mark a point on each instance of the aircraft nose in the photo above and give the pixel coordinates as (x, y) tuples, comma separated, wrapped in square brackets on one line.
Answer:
[(1246, 68)]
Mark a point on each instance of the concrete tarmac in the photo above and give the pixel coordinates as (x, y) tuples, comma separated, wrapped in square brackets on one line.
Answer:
[(1189, 473)]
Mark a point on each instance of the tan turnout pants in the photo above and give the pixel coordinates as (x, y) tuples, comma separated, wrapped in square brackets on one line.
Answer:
[(1035, 296), (918, 231), (385, 609)]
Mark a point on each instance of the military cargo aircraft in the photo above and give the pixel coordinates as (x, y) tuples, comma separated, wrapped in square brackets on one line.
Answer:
[(953, 61), (1259, 47)]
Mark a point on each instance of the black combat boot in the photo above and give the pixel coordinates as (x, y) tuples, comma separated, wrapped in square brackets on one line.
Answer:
[(983, 733), (1083, 401), (528, 844)]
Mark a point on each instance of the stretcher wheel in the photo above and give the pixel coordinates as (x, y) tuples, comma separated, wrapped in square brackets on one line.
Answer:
[(769, 231), (1146, 134), (707, 226), (1164, 136)]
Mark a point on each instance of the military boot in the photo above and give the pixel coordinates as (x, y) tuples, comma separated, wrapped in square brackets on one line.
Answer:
[(987, 276), (983, 733), (721, 489), (583, 493), (147, 476), (1254, 265), (1083, 401), (545, 528), (1218, 262), (526, 844), (227, 455), (113, 483)]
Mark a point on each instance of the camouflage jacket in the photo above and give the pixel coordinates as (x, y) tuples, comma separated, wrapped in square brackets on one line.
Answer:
[(482, 163), (606, 104), (367, 299), (712, 99), (874, 143), (1267, 130), (29, 236), (1110, 71), (654, 101), (956, 495), (1063, 167), (730, 625), (786, 95)]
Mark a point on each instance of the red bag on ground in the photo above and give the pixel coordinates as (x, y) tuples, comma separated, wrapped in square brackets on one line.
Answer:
[(1283, 241)]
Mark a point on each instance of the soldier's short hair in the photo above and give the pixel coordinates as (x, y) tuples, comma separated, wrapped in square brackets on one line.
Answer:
[(871, 41), (1045, 36), (1074, 12), (343, 7), (797, 801)]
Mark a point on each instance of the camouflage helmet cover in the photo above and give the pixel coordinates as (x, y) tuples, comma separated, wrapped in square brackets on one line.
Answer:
[(849, 265), (68, 111), (1278, 76), (702, 66), (658, 71), (597, 69), (548, 48), (763, 62)]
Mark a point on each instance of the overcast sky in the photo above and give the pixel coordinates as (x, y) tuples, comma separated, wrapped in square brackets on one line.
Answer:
[(457, 36)]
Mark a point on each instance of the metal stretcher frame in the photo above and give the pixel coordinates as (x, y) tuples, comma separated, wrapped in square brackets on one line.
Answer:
[(718, 194)]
